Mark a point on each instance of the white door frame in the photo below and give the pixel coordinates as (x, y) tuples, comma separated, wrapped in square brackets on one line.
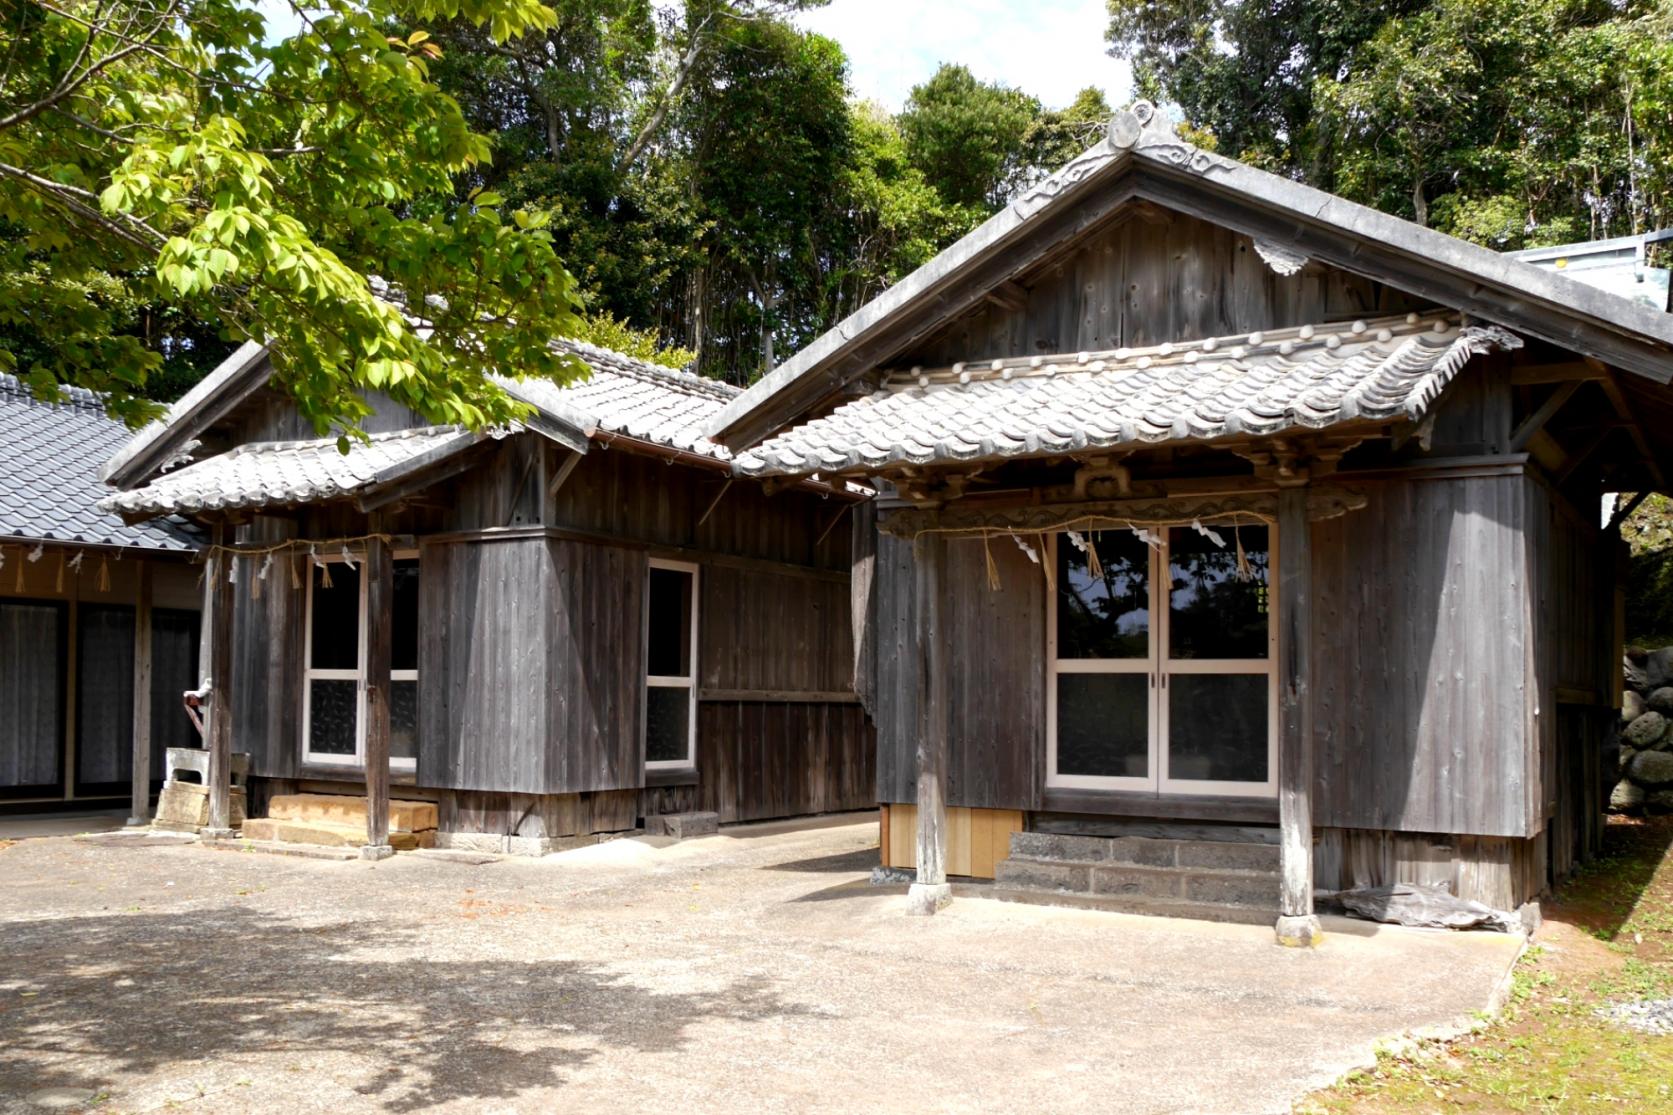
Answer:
[(1159, 666)]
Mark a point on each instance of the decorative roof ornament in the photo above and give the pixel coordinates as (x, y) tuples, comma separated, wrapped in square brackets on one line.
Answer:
[(1285, 261)]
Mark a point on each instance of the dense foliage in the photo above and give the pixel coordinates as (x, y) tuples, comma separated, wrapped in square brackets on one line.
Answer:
[(1511, 123), (164, 157), (711, 178)]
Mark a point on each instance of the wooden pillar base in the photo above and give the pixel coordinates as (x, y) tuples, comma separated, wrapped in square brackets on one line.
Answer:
[(1301, 932), (375, 852), (924, 899), (218, 834)]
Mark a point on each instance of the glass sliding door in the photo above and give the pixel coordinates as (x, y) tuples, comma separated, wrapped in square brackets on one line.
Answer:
[(1160, 662), (1217, 677), (1100, 703)]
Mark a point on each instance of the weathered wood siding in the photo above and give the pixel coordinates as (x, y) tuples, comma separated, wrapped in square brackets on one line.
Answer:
[(1420, 688), (1502, 872), (482, 665), (996, 688), (594, 655), (1149, 279)]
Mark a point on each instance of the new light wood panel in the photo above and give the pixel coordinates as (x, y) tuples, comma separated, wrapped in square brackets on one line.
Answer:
[(977, 839)]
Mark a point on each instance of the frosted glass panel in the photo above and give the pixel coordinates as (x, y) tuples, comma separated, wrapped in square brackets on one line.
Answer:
[(1103, 725), (332, 711), (403, 720), (667, 724), (1217, 727)]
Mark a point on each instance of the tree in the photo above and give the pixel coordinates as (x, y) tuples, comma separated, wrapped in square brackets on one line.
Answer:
[(970, 138), (1508, 122), (169, 152)]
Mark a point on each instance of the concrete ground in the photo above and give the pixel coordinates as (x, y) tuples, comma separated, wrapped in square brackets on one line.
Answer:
[(754, 971)]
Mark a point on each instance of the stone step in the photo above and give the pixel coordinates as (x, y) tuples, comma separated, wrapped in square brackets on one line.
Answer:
[(349, 809), (1257, 889), (1131, 904), (327, 834), (1145, 851)]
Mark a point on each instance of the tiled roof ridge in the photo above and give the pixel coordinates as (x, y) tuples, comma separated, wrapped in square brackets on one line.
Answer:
[(79, 398), (296, 444), (1234, 346), (656, 373)]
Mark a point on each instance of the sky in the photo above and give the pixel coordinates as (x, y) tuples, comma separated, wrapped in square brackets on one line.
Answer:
[(1050, 48)]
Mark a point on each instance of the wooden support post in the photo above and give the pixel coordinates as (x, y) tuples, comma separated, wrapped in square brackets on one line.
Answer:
[(219, 590), (931, 892), (139, 812), (379, 572), (1297, 926)]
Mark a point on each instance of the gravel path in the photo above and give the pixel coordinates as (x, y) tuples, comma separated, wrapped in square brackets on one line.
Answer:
[(756, 971)]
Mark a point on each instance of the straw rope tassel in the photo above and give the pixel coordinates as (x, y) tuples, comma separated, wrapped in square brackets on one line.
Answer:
[(1244, 571), (60, 572), (993, 570), (104, 574), (325, 574), (19, 587), (1094, 567), (295, 577), (1046, 564)]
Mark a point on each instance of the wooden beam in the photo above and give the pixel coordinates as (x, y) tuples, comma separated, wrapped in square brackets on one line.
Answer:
[(221, 587), (1009, 295), (139, 812), (1297, 926), (1535, 422), (1585, 450), (1618, 400), (930, 892), (715, 502), (379, 572), (1534, 375), (563, 472)]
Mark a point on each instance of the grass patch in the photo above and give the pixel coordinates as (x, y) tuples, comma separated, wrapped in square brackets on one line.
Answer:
[(1608, 938)]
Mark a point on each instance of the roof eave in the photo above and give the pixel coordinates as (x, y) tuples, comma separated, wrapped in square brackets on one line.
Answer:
[(234, 380)]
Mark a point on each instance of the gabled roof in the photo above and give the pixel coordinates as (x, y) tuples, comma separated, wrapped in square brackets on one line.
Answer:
[(49, 487), (624, 398), (280, 473), (1142, 158), (1314, 377)]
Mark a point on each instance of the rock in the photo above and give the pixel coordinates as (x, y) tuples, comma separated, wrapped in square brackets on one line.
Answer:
[(1625, 757), (1651, 768), (1662, 699), (1636, 676), (1659, 802), (1645, 731), (1658, 668), (1626, 798), (1632, 706)]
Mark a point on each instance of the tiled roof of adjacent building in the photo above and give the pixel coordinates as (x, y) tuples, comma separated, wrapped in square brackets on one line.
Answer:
[(276, 473), (632, 398), (1314, 376), (49, 474)]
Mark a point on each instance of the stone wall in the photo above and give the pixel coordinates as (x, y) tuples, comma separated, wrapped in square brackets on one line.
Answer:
[(1646, 770)]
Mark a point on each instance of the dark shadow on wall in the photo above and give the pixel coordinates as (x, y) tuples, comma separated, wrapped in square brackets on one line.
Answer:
[(122, 993)]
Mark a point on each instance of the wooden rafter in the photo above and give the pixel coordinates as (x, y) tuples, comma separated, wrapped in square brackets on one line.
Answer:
[(1535, 422), (1618, 400)]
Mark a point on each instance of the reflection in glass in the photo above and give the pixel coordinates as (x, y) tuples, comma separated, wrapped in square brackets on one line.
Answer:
[(1215, 613), (669, 638), (403, 720), (667, 724), (1103, 725), (404, 621), (1217, 727), (332, 714), (336, 619), (1107, 616)]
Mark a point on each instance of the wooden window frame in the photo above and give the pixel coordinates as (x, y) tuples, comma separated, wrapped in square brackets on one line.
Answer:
[(1158, 667), (310, 674), (668, 681)]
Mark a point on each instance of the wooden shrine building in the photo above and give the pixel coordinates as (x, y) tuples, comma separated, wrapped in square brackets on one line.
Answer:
[(549, 632), (98, 619), (1234, 540)]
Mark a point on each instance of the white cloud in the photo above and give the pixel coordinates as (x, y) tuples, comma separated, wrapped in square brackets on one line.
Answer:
[(1050, 48)]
